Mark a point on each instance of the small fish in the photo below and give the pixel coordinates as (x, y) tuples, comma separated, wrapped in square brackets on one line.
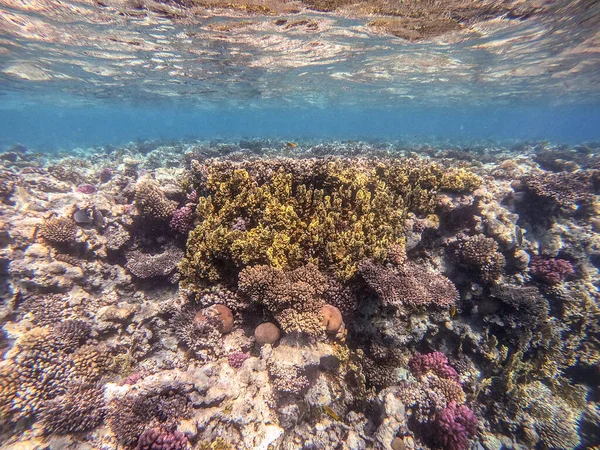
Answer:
[(452, 311), (519, 236), (291, 145), (330, 413)]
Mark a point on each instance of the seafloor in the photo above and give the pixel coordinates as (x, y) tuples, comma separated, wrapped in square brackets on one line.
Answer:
[(416, 297)]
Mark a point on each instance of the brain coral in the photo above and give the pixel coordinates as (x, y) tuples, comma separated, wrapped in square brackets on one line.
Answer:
[(332, 212)]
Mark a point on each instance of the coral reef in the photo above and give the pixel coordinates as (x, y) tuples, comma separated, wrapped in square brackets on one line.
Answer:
[(329, 295)]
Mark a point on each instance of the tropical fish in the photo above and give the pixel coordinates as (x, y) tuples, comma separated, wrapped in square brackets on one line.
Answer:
[(330, 413), (291, 145)]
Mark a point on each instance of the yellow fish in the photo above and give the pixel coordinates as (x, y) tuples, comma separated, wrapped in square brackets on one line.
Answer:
[(291, 145), (330, 413)]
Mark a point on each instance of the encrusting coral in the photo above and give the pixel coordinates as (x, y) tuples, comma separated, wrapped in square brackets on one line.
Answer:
[(333, 213)]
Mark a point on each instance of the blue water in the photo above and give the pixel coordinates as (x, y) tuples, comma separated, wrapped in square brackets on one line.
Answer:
[(55, 128)]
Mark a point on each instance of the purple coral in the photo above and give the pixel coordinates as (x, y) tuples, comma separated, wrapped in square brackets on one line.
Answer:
[(456, 426), (236, 359), (86, 188), (551, 271), (182, 220), (162, 439), (106, 174), (435, 362)]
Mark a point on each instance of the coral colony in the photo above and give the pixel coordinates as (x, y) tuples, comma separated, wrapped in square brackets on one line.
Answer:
[(315, 301)]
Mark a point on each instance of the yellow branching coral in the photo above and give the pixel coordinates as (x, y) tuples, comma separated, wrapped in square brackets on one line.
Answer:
[(329, 212)]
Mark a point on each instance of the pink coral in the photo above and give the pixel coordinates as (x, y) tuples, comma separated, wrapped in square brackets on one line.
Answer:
[(435, 362), (86, 188), (236, 359), (551, 271), (182, 220), (456, 426), (162, 439)]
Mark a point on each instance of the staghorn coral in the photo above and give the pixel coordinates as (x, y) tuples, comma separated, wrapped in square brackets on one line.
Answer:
[(58, 230), (330, 212), (481, 254), (80, 408), (160, 438), (410, 285), (550, 271), (152, 203), (147, 266)]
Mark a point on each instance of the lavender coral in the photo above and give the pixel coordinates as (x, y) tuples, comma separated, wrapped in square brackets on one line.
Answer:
[(435, 362), (162, 439), (456, 426), (182, 221), (550, 271)]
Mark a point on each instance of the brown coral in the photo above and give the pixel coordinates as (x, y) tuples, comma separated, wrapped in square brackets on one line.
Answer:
[(481, 254), (152, 203), (295, 298), (58, 230), (411, 285)]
